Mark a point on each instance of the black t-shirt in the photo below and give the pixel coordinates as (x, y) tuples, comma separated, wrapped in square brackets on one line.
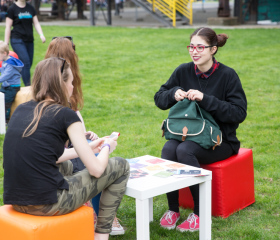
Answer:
[(22, 21), (31, 175)]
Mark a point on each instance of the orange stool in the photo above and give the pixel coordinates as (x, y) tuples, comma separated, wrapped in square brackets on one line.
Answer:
[(232, 184), (76, 225)]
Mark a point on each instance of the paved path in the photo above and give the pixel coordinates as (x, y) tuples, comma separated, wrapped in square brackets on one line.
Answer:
[(137, 17)]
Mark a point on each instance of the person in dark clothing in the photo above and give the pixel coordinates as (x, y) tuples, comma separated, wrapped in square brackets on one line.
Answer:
[(218, 90), (21, 16), (3, 10), (38, 173)]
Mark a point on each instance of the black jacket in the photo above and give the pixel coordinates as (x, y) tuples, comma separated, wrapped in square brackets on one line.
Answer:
[(224, 97)]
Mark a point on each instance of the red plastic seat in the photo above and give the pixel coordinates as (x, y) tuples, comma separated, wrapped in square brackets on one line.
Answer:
[(232, 184)]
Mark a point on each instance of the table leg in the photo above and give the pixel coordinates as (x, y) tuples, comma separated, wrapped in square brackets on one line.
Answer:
[(2, 114), (143, 219), (205, 210), (151, 209)]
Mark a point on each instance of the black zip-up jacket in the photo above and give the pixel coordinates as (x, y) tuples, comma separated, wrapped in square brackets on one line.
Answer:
[(223, 98)]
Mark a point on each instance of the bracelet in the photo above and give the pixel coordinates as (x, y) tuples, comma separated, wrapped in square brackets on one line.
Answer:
[(106, 145)]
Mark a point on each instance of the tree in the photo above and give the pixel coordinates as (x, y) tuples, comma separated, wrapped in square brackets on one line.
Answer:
[(81, 6), (223, 10)]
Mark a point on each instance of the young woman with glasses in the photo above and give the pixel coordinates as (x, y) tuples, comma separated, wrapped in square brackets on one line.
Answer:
[(38, 176), (21, 16), (218, 90), (64, 47)]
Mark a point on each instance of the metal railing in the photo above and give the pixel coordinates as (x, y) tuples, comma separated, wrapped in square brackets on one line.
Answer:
[(171, 7)]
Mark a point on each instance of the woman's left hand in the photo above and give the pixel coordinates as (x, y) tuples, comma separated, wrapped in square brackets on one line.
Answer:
[(91, 135), (193, 95)]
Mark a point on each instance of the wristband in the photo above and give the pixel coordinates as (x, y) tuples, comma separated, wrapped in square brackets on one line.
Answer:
[(106, 145), (41, 35)]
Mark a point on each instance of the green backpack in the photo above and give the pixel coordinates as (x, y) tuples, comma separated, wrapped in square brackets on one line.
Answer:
[(187, 121)]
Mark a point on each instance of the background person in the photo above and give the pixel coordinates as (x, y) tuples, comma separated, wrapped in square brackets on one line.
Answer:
[(3, 10), (38, 178), (218, 90), (10, 77), (64, 47), (21, 15)]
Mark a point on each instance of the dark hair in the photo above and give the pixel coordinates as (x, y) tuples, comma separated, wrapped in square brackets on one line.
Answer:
[(211, 37)]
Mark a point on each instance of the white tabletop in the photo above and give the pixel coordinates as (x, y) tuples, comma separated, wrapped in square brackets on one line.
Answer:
[(151, 186)]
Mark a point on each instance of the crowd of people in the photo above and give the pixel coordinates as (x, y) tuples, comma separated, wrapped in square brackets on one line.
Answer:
[(53, 165)]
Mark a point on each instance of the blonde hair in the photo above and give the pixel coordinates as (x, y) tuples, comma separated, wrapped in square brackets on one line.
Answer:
[(4, 47), (49, 89), (64, 48)]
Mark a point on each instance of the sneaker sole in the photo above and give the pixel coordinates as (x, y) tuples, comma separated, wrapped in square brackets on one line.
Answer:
[(168, 228), (186, 230), (117, 233)]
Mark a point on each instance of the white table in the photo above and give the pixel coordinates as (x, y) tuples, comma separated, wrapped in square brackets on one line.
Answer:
[(145, 188), (2, 114)]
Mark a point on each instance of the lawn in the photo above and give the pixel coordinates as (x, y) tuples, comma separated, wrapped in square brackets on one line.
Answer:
[(123, 68)]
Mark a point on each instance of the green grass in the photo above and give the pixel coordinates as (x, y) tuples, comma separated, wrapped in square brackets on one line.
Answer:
[(123, 68)]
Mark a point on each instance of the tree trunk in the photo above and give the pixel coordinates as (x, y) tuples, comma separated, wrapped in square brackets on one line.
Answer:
[(61, 8), (223, 10), (81, 6), (36, 4)]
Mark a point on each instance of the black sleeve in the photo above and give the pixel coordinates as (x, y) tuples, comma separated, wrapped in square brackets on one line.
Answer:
[(33, 11), (10, 12), (234, 108), (165, 97), (69, 117)]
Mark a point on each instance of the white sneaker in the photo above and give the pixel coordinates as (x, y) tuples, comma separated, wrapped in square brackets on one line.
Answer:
[(117, 228)]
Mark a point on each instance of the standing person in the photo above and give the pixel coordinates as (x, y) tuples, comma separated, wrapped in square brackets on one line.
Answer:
[(64, 47), (3, 10), (10, 77), (21, 15), (38, 176), (218, 90)]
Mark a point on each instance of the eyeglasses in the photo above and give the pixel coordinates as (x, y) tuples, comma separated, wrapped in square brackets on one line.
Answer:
[(199, 48), (63, 63), (69, 38)]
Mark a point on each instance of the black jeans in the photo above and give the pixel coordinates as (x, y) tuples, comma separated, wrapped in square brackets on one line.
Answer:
[(25, 52), (192, 154), (10, 94)]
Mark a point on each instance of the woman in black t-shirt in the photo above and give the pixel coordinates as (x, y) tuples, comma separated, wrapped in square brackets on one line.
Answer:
[(38, 173), (21, 16)]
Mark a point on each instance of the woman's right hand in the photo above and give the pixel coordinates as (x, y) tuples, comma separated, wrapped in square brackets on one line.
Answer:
[(180, 95)]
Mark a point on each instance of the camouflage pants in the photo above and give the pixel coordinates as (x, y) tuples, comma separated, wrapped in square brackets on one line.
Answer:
[(83, 187)]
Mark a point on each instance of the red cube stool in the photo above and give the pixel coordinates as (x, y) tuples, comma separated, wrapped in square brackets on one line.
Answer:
[(75, 225), (232, 184)]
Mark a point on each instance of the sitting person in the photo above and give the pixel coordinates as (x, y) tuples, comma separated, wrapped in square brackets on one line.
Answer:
[(38, 176), (10, 77), (64, 47), (218, 90)]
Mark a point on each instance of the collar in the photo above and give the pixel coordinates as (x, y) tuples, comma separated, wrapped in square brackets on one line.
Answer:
[(208, 73)]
